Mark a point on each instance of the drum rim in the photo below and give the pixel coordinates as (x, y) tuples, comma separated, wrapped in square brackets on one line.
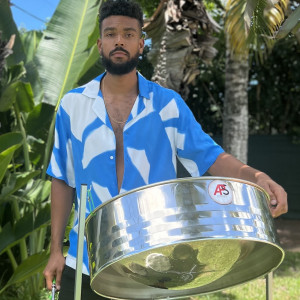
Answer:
[(161, 183)]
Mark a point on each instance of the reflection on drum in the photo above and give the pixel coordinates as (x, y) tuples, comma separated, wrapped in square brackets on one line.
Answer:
[(181, 238)]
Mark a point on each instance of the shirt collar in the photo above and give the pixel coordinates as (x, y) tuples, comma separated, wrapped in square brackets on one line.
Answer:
[(91, 89)]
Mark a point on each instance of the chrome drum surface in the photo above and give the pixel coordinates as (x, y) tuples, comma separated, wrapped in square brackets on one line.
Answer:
[(181, 238)]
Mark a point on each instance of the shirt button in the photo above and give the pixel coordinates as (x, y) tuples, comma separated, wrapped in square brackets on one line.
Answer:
[(111, 157)]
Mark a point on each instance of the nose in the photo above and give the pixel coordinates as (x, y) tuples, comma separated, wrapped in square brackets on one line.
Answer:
[(119, 41)]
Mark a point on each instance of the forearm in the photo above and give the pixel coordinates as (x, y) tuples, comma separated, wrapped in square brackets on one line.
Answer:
[(61, 205), (228, 166)]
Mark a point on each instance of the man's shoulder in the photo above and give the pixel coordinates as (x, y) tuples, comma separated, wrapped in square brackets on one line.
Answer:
[(159, 91), (89, 89)]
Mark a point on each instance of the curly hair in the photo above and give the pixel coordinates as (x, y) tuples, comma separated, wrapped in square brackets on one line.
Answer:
[(120, 8)]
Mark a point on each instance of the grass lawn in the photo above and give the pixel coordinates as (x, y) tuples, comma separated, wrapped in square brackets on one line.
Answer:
[(286, 284)]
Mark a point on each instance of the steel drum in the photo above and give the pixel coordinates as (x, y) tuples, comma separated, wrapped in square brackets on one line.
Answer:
[(181, 238)]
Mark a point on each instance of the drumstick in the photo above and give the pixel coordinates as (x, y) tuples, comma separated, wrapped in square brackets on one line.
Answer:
[(53, 289)]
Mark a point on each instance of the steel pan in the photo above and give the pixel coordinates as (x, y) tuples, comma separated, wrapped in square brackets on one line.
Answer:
[(181, 238)]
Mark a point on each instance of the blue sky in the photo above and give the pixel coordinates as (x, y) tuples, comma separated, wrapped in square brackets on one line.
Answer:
[(40, 10)]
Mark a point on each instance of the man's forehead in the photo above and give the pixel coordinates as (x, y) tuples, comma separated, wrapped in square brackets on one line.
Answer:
[(120, 22)]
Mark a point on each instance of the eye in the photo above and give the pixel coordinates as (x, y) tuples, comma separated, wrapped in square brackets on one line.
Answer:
[(109, 34), (128, 35)]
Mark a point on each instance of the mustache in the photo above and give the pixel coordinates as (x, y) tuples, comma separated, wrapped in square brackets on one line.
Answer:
[(118, 49)]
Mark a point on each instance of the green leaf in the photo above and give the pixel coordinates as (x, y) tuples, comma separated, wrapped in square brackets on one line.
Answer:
[(29, 267), (4, 161), (39, 192), (25, 97), (10, 139), (9, 143), (16, 72), (32, 76), (17, 181), (31, 40), (18, 91), (11, 235), (93, 37), (289, 24), (63, 50), (8, 28), (38, 121), (92, 68), (8, 97)]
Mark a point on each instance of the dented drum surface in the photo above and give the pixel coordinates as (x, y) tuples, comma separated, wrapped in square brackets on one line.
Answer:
[(181, 238)]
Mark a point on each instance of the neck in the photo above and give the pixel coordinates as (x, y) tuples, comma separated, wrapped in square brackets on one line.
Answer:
[(120, 85)]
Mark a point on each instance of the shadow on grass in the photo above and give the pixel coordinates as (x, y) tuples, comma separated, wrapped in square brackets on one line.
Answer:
[(216, 296), (290, 265)]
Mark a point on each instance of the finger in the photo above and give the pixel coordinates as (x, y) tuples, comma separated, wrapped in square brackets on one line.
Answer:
[(49, 278), (273, 201), (58, 279), (281, 206)]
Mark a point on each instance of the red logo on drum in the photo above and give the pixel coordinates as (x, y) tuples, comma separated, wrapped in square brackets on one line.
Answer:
[(221, 190)]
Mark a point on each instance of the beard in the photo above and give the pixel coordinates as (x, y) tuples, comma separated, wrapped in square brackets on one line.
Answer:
[(121, 68)]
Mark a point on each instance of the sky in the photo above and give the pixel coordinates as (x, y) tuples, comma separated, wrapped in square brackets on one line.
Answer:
[(32, 14)]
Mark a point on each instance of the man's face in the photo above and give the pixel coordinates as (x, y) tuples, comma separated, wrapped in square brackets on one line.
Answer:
[(120, 44)]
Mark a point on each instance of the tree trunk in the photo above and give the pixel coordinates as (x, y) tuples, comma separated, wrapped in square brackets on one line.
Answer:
[(235, 114)]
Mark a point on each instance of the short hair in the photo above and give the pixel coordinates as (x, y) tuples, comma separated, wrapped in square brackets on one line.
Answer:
[(120, 8)]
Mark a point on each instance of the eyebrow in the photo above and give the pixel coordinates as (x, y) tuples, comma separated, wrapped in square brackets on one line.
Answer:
[(125, 29)]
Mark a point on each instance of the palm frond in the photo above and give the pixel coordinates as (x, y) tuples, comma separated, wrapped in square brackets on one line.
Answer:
[(253, 23)]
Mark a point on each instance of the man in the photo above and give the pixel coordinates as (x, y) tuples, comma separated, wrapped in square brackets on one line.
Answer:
[(121, 131)]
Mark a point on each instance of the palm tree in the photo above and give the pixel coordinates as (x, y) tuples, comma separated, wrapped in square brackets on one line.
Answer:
[(249, 24), (181, 33)]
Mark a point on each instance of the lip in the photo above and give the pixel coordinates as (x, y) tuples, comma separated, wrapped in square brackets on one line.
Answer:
[(119, 53)]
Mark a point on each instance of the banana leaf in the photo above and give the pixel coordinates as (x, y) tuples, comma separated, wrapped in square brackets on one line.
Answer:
[(31, 266), (38, 192), (16, 181), (39, 120), (63, 50), (9, 142), (18, 91), (12, 234), (31, 40)]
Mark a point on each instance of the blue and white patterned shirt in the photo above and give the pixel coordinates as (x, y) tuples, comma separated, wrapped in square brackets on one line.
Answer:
[(159, 128)]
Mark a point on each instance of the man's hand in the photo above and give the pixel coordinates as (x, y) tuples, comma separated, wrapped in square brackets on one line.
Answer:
[(278, 197), (54, 270), (228, 166)]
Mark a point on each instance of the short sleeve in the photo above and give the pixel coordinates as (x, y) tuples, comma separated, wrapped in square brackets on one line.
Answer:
[(61, 165), (196, 150)]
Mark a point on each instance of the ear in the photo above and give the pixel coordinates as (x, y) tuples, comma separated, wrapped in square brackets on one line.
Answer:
[(99, 45), (141, 45)]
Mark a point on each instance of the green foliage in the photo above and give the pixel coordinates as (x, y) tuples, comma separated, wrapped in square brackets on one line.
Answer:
[(292, 23), (274, 98), (274, 101), (63, 52), (9, 143), (29, 267), (149, 7), (41, 69)]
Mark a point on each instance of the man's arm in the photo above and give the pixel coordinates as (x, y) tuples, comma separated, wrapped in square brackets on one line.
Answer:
[(228, 166), (61, 205)]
